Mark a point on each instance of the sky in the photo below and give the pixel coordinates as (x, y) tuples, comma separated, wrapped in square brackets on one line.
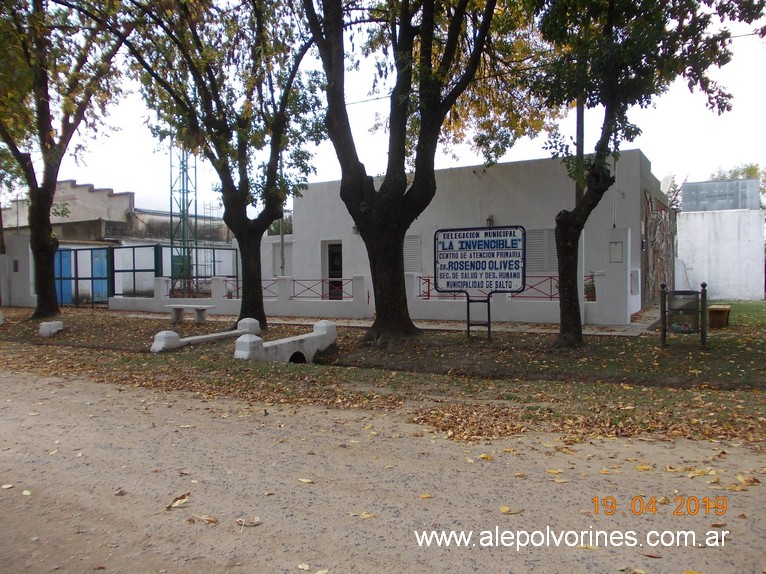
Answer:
[(680, 137)]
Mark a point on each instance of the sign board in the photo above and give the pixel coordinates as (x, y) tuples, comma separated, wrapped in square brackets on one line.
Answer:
[(480, 260)]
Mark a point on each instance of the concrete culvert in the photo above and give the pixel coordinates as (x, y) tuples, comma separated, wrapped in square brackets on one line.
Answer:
[(297, 357)]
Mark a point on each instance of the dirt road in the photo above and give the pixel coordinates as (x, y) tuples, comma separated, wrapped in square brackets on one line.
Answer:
[(88, 470)]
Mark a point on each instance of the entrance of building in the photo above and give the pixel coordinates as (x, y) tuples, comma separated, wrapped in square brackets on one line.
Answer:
[(335, 270)]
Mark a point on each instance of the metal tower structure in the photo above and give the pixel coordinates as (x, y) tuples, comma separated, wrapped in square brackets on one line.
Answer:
[(183, 220)]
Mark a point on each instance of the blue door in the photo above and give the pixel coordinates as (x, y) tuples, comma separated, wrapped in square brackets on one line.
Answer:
[(100, 275), (62, 268)]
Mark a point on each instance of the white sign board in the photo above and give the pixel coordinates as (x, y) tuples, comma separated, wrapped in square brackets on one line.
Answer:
[(480, 260)]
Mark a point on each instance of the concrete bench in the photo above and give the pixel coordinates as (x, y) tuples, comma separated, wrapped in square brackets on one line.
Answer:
[(299, 349), (169, 340), (200, 312)]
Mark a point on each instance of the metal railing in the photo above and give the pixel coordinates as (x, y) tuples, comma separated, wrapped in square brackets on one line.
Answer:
[(234, 288), (323, 289), (538, 287)]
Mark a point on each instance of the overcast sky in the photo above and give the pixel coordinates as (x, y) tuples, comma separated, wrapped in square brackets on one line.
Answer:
[(680, 137)]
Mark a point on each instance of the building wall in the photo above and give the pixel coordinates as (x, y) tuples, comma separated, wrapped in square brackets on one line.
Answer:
[(83, 202), (725, 249), (528, 193), (16, 272)]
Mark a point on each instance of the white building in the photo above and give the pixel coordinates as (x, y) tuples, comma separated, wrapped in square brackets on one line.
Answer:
[(626, 250), (721, 239)]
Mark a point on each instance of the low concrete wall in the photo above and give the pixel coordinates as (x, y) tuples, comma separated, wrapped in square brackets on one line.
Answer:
[(299, 349), (606, 310), (284, 305)]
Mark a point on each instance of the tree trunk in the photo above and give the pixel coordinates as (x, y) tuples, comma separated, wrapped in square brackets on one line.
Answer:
[(386, 256), (44, 244), (568, 232), (249, 240)]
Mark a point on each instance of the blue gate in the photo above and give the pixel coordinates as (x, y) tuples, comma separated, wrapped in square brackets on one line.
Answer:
[(99, 272), (62, 265)]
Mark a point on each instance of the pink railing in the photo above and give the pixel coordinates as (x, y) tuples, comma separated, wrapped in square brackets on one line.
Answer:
[(234, 288), (323, 289), (540, 287)]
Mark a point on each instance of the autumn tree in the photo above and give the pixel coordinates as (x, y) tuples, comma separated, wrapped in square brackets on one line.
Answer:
[(612, 55), (56, 76), (433, 50), (224, 80)]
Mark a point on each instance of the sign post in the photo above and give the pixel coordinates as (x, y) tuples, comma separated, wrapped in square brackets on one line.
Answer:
[(479, 261)]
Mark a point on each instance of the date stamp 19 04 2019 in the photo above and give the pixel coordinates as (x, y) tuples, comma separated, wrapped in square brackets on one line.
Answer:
[(681, 505)]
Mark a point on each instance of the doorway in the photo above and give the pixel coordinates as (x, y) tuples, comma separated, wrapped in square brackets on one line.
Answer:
[(335, 271)]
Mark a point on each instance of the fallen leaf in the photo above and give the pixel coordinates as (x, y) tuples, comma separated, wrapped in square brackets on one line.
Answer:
[(748, 480), (559, 480), (736, 487), (27, 492), (367, 515), (7, 486), (120, 492), (324, 571), (519, 475), (718, 524), (508, 510), (254, 521), (644, 467), (663, 500), (306, 480), (207, 519), (304, 567), (554, 471), (178, 501), (487, 457), (426, 495)]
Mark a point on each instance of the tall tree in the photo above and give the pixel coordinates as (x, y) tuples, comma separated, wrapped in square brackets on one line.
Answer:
[(434, 49), (615, 54), (56, 76), (224, 80)]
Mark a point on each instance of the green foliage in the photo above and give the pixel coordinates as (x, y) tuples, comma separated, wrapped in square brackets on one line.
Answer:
[(55, 75), (223, 81), (284, 225), (623, 53), (674, 196), (11, 177)]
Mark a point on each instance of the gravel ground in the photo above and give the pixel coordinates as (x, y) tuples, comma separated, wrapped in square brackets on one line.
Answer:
[(90, 472)]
